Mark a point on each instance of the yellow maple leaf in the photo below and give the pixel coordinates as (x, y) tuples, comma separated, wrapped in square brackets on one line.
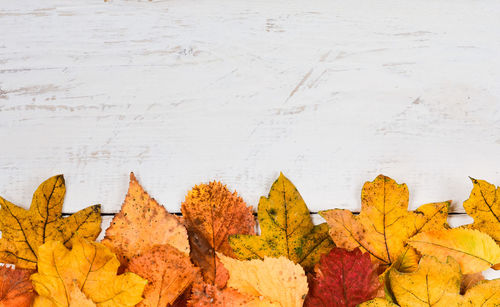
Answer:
[(276, 281), (474, 250), (437, 284), (384, 224), (92, 267), (286, 229), (23, 231), (141, 224)]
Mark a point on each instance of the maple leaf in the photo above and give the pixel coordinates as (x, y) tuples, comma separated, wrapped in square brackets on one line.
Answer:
[(169, 272), (474, 250), (343, 278), (286, 229), (277, 281), (141, 224), (384, 224), (211, 213), (16, 289), (92, 267), (23, 231)]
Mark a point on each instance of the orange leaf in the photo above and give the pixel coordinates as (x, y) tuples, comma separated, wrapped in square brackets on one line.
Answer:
[(212, 213), (141, 224), (169, 272), (16, 289)]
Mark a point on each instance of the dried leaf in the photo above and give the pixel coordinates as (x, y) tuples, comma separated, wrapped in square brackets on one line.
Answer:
[(474, 250), (169, 272), (486, 293), (92, 266), (212, 213), (377, 302), (484, 206), (277, 280), (16, 289), (23, 231), (470, 280), (384, 224), (286, 229), (141, 224), (344, 279)]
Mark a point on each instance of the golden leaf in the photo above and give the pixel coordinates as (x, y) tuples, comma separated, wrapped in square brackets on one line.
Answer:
[(23, 231), (484, 206), (486, 293), (169, 272), (277, 280), (384, 224), (474, 250), (141, 224), (286, 229), (211, 213), (378, 302), (89, 265)]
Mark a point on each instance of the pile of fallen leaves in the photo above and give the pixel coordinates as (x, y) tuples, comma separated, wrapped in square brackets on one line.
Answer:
[(212, 256)]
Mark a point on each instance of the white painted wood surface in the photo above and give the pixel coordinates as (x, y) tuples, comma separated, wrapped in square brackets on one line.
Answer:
[(332, 93)]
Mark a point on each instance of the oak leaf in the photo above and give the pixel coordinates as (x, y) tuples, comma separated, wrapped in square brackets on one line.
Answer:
[(475, 251), (211, 213), (23, 231), (169, 272), (141, 224), (272, 281), (16, 289), (286, 229), (384, 224), (92, 267), (343, 278)]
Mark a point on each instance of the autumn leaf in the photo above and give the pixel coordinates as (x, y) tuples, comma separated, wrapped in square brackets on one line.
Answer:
[(343, 278), (16, 289), (169, 272), (278, 281), (437, 284), (93, 267), (141, 224), (204, 294), (23, 231), (384, 224), (486, 293), (475, 251), (470, 280), (211, 213), (286, 229)]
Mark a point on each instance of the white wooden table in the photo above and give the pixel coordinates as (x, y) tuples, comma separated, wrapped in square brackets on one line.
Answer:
[(332, 93)]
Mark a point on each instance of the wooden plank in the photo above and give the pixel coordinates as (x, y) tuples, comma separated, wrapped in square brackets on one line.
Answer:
[(332, 93)]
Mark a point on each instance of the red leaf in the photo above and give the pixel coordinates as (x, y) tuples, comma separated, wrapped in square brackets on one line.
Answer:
[(343, 278), (15, 287)]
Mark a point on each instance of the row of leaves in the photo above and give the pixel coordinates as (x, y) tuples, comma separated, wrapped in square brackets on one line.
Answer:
[(211, 256)]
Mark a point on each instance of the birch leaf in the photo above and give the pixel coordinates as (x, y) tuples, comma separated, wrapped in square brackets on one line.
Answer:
[(141, 224), (92, 267), (286, 229), (211, 213), (475, 251), (277, 280), (169, 272), (23, 231), (384, 224)]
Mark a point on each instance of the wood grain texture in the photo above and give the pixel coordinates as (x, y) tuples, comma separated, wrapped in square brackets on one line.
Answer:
[(332, 93)]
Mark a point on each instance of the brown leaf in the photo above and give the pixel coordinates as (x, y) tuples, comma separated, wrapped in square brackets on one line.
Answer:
[(16, 289), (169, 273), (470, 280), (212, 213), (141, 224)]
